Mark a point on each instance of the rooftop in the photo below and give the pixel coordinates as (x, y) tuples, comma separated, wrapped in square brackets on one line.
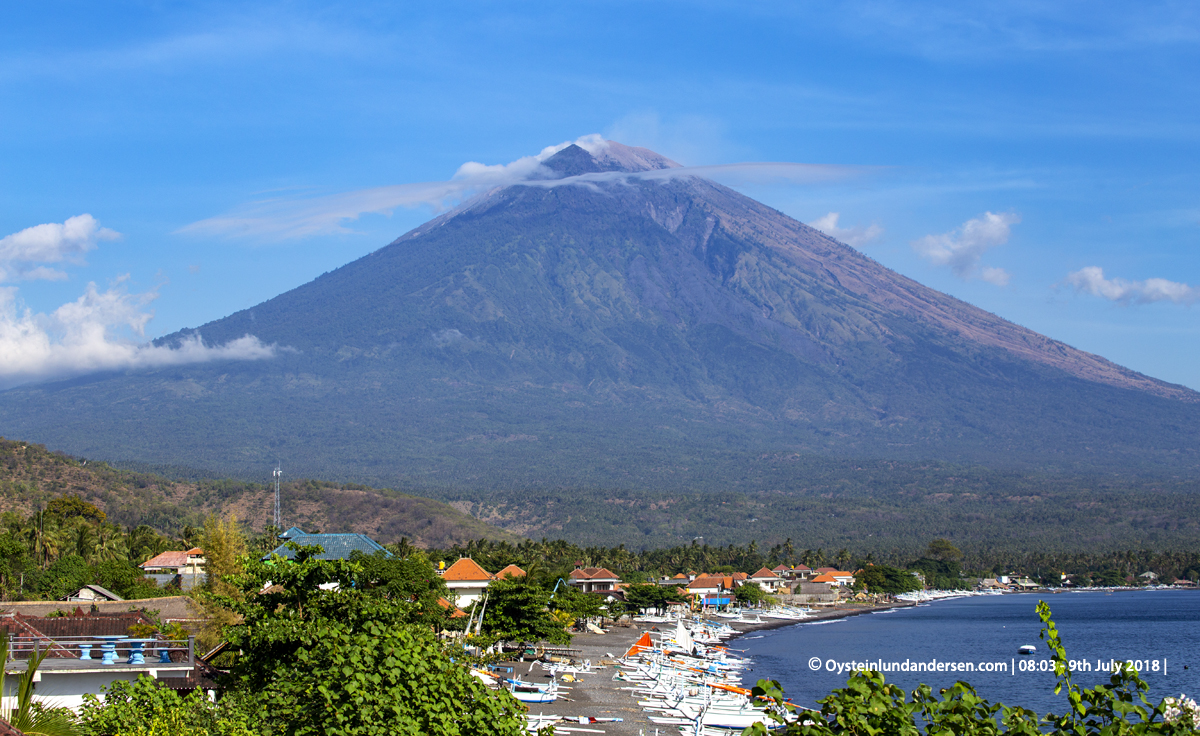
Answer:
[(466, 570), (335, 546)]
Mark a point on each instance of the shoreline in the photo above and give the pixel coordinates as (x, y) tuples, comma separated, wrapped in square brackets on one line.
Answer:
[(596, 694)]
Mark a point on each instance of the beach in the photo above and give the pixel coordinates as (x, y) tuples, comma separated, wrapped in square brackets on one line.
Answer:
[(598, 695)]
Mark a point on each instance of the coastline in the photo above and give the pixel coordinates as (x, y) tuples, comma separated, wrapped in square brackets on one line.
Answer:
[(597, 694)]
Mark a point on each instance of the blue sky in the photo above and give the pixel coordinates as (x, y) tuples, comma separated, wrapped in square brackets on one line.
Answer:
[(1037, 160)]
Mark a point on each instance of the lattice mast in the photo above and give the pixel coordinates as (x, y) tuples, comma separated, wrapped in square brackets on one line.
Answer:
[(278, 515)]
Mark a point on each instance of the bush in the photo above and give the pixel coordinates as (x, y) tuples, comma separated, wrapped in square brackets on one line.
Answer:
[(142, 708)]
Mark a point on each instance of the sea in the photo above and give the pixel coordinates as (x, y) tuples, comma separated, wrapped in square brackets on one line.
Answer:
[(1159, 630)]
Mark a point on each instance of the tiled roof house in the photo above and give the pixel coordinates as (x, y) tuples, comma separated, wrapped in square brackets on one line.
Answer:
[(593, 579), (766, 580), (466, 579)]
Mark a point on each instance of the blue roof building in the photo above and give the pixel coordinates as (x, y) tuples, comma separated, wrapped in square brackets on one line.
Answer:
[(336, 546)]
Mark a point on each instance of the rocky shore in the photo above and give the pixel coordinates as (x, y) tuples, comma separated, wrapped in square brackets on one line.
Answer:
[(597, 695)]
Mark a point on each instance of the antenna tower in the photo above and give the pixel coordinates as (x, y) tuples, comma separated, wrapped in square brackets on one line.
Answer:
[(278, 516)]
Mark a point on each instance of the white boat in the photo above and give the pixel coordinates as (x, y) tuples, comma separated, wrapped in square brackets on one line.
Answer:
[(531, 692), (1027, 649)]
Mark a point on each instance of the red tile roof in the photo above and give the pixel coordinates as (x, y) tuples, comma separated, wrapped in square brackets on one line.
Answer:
[(466, 569), (458, 612), (7, 729), (593, 573), (512, 571), (707, 582), (824, 578), (174, 558), (826, 569), (780, 568), (764, 573)]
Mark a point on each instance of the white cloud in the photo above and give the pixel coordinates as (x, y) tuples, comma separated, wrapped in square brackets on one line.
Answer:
[(1090, 280), (962, 249), (997, 276), (856, 236), (92, 334), (284, 219), (50, 243)]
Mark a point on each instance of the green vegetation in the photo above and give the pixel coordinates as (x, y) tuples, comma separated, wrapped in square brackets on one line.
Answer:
[(552, 559), (53, 553), (869, 705), (143, 708), (73, 489)]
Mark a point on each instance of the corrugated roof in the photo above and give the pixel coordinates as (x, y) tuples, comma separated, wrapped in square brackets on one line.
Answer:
[(336, 546), (293, 532), (105, 592), (466, 570)]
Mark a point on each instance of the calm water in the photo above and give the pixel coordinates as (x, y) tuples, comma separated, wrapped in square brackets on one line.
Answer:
[(1160, 627)]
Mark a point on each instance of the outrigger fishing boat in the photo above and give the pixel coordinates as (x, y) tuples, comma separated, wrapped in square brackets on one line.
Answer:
[(532, 692)]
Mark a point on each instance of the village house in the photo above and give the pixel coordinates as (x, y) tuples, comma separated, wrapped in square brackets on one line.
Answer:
[(184, 568), (767, 580), (593, 579), (467, 580), (836, 578)]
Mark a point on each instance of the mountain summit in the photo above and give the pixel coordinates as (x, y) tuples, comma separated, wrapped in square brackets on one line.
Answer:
[(617, 321)]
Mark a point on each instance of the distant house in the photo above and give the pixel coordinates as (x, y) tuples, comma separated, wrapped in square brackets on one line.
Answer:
[(843, 578), (837, 578), (1184, 583), (593, 579), (512, 571), (1148, 577), (93, 593), (467, 580), (335, 546), (184, 568), (767, 580), (707, 585)]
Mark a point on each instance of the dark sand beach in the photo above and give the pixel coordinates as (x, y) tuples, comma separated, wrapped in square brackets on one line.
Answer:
[(596, 694)]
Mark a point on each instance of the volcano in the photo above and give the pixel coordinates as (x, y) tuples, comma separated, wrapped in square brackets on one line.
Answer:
[(613, 322)]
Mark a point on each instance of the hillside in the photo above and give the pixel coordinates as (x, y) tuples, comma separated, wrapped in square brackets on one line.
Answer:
[(30, 476), (596, 329)]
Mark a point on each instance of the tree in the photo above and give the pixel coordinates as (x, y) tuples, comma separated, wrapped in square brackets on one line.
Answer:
[(518, 611), (944, 550), (224, 545), (886, 579), (142, 708), (750, 594), (653, 596), (322, 651), (382, 680), (68, 507)]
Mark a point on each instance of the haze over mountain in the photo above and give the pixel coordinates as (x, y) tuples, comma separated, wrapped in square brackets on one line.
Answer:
[(610, 323)]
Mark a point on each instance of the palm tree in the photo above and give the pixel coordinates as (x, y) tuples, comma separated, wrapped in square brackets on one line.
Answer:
[(24, 716)]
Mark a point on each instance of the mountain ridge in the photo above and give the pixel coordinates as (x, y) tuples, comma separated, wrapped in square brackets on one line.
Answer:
[(630, 324)]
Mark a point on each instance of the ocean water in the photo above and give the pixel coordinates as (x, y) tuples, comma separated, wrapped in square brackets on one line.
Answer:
[(1160, 629)]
